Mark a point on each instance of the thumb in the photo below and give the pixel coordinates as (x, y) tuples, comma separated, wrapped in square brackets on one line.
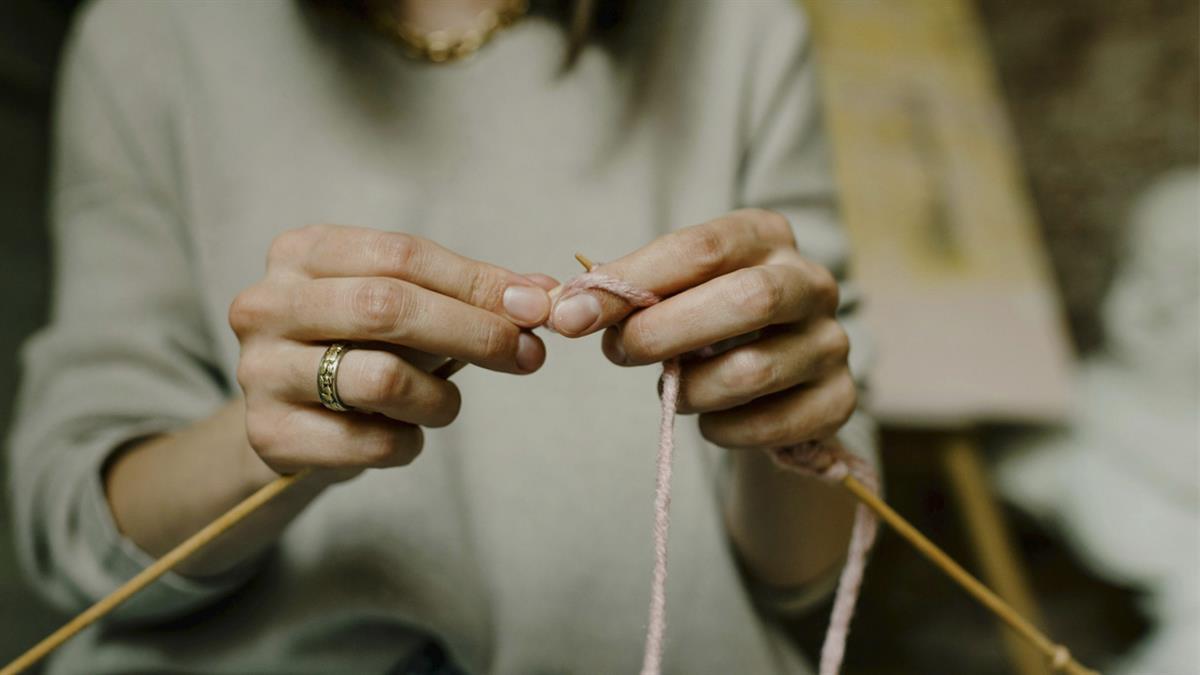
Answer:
[(668, 265), (593, 301)]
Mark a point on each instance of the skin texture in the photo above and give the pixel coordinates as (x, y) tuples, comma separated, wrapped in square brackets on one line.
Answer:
[(416, 303), (409, 302), (736, 276)]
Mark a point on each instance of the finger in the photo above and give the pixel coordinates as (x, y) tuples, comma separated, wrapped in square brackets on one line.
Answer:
[(544, 281), (789, 417), (427, 362), (289, 438), (399, 313), (774, 364), (370, 380), (340, 251), (674, 262), (737, 303)]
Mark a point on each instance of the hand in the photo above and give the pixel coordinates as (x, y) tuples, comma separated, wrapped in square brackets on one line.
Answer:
[(408, 304), (738, 279)]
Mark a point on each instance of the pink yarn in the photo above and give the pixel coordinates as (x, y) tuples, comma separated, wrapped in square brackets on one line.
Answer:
[(619, 287), (656, 626), (832, 463), (827, 462)]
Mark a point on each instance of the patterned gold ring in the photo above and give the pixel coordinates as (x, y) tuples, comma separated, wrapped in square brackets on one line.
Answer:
[(327, 389)]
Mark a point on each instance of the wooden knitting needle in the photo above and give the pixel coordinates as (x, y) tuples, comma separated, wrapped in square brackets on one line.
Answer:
[(167, 562), (1058, 655), (160, 567)]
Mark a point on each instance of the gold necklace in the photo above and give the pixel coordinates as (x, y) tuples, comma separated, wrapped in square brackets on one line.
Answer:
[(442, 46)]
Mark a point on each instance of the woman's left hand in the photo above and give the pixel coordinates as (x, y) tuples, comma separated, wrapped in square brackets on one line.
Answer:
[(735, 278)]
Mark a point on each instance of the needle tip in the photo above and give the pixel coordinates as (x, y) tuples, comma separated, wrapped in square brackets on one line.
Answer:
[(585, 261)]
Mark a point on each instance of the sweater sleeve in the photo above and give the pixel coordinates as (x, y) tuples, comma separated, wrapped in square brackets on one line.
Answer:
[(786, 167), (126, 353)]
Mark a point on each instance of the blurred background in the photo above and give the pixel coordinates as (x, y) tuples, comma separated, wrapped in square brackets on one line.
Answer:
[(1100, 99)]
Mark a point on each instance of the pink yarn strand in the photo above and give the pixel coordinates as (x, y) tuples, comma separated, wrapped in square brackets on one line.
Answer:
[(656, 624), (862, 536), (602, 282), (656, 627), (827, 462), (832, 463)]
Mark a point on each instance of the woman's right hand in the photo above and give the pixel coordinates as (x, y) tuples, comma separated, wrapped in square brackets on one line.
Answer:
[(407, 304)]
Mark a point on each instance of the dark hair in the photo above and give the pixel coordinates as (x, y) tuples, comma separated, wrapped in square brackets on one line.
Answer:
[(584, 21)]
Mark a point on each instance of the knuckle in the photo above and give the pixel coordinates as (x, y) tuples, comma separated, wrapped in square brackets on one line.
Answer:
[(837, 344), (261, 433), (376, 305), (825, 287), (841, 406), (249, 370), (499, 340), (384, 380), (283, 248), (315, 232), (247, 311), (396, 250), (391, 446), (240, 313), (485, 289), (704, 248), (773, 225), (292, 245), (750, 371), (758, 293), (847, 399), (310, 236), (244, 374)]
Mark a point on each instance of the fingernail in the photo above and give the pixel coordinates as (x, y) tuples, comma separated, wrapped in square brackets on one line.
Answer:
[(529, 353), (577, 313), (526, 303)]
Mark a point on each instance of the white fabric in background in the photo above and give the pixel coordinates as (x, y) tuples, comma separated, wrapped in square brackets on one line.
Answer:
[(1123, 481)]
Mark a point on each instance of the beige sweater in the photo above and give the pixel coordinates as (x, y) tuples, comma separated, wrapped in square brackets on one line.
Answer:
[(190, 134)]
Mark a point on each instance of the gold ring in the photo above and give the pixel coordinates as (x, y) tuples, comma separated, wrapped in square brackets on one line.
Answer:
[(327, 377)]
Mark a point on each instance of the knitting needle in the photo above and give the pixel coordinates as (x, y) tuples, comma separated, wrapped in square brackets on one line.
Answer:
[(1058, 655), (181, 552)]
